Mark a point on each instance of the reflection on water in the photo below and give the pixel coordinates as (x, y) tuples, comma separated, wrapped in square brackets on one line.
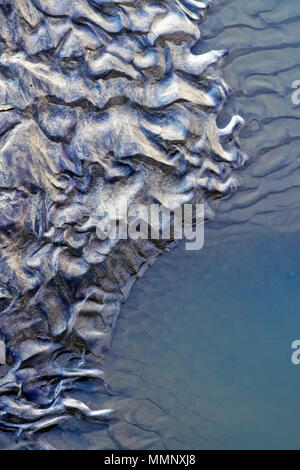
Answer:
[(201, 355)]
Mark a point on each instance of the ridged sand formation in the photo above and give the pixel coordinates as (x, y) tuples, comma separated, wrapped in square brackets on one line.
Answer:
[(99, 100)]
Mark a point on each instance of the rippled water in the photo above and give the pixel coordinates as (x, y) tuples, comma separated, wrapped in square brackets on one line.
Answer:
[(201, 355)]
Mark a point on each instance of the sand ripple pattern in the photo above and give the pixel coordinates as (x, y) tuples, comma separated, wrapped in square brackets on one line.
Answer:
[(98, 100)]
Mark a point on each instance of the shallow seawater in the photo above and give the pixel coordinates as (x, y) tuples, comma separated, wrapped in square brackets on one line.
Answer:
[(201, 357), (203, 347)]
